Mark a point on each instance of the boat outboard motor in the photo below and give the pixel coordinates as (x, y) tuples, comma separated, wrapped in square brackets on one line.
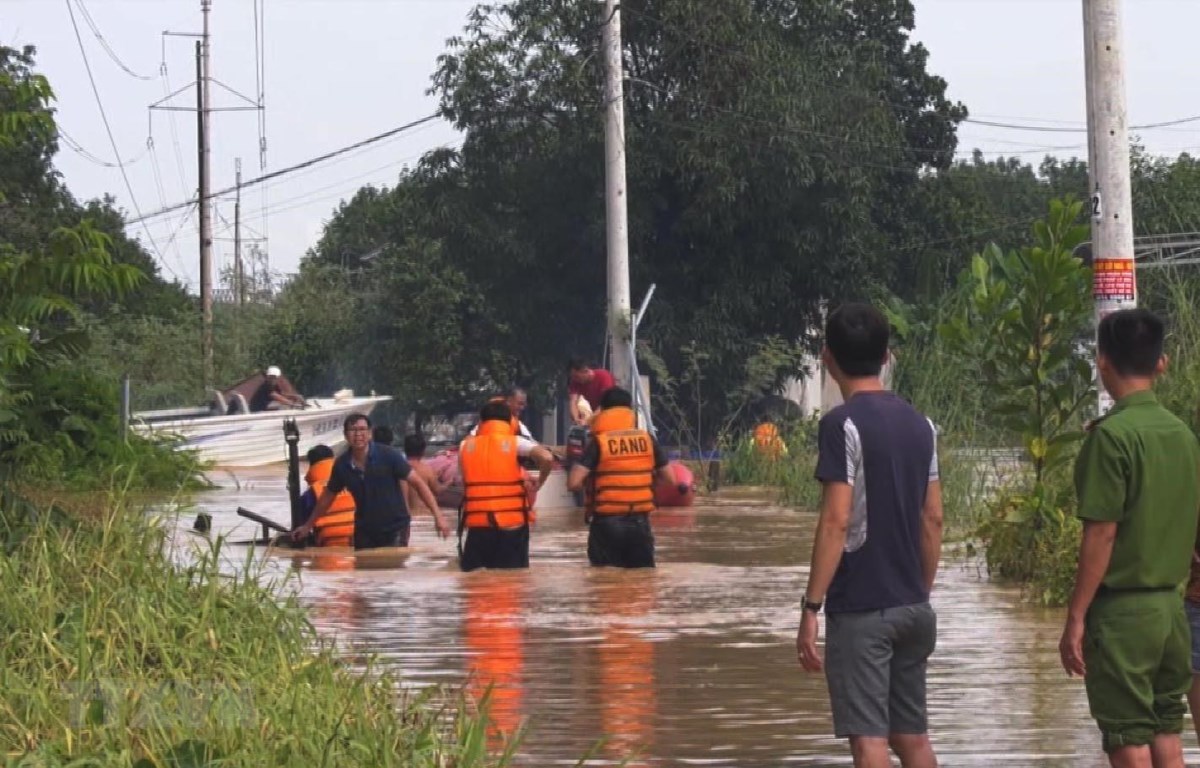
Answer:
[(291, 433)]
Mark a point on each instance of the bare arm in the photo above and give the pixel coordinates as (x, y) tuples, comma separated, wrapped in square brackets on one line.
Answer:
[(830, 541), (578, 476), (931, 532), (418, 484), (322, 506), (573, 407), (545, 463)]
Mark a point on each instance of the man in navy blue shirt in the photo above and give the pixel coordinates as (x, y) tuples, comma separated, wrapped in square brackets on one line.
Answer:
[(372, 472), (879, 536)]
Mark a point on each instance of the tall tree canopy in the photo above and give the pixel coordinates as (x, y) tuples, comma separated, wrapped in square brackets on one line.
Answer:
[(766, 142)]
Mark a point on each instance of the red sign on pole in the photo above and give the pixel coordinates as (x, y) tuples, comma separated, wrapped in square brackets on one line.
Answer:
[(1113, 280)]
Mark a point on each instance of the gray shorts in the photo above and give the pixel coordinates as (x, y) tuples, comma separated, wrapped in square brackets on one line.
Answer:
[(1193, 614), (875, 666)]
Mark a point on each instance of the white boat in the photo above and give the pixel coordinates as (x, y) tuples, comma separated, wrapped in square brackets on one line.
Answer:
[(255, 439)]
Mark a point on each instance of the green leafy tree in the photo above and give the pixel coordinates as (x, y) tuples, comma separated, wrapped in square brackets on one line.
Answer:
[(1023, 331), (57, 419), (762, 138), (1023, 337)]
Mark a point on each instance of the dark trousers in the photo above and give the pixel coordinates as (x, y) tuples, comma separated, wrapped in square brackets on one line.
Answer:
[(375, 539), (495, 548), (623, 541)]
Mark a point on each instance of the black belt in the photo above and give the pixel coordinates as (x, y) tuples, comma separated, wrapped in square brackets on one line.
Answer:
[(1106, 590)]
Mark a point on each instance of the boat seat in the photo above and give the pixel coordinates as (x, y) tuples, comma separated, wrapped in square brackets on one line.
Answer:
[(238, 404), (218, 405)]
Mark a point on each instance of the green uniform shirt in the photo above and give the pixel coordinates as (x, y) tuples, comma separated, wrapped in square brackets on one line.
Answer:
[(1138, 468)]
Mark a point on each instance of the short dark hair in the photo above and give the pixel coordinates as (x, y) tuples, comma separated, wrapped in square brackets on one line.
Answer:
[(353, 419), (857, 337), (383, 434), (514, 390), (414, 445), (319, 453), (616, 398), (495, 411), (576, 364), (1132, 340)]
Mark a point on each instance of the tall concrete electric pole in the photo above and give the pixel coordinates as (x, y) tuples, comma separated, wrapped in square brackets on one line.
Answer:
[(615, 199), (1115, 276)]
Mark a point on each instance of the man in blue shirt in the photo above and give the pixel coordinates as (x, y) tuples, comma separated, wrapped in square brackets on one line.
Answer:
[(876, 551), (372, 472)]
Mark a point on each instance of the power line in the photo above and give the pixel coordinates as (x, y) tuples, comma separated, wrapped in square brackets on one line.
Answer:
[(1054, 129), (87, 17), (108, 128), (294, 168), (78, 148)]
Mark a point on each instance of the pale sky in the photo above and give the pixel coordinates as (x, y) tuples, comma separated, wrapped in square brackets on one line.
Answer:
[(338, 71)]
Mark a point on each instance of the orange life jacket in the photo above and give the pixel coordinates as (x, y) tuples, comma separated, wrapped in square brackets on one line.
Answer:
[(335, 528), (493, 481), (768, 441), (623, 481)]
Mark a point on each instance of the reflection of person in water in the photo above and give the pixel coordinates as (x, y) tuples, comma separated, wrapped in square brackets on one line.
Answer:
[(494, 633), (628, 697)]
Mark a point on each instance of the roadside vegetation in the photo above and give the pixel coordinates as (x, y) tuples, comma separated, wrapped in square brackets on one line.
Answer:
[(117, 656)]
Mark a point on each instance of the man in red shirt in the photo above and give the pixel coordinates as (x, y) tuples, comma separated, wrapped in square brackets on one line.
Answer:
[(588, 383)]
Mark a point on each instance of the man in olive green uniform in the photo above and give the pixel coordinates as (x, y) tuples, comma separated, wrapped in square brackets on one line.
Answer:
[(1139, 497)]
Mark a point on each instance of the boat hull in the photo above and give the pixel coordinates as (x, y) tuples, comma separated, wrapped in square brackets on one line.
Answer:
[(256, 439)]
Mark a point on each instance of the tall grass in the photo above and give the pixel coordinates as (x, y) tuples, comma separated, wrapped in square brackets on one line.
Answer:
[(115, 656), (1177, 298), (790, 474)]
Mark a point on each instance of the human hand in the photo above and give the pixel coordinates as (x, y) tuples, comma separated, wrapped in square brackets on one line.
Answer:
[(806, 643), (1070, 648), (302, 533), (443, 530)]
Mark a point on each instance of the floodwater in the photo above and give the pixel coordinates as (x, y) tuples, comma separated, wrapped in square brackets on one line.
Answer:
[(691, 664)]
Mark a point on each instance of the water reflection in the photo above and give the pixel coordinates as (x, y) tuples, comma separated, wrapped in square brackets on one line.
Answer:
[(689, 664), (626, 693), (494, 635)]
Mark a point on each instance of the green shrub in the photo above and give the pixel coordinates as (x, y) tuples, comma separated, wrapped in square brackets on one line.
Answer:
[(1033, 539), (791, 473)]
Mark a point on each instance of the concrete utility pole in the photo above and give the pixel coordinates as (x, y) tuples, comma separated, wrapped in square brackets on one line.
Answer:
[(1115, 277), (619, 328), (206, 235)]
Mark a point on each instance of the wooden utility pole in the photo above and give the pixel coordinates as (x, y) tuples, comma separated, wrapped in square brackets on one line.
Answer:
[(1115, 277), (619, 327), (206, 235)]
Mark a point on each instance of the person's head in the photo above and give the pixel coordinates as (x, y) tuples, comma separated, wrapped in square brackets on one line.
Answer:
[(318, 453), (517, 399), (357, 429), (495, 410), (616, 398), (856, 342), (383, 434), (1129, 349), (273, 373), (414, 446), (579, 372)]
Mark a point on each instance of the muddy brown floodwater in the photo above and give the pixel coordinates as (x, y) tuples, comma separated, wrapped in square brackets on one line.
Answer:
[(691, 664)]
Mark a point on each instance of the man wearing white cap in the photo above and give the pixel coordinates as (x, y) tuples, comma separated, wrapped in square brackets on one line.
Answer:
[(275, 393)]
